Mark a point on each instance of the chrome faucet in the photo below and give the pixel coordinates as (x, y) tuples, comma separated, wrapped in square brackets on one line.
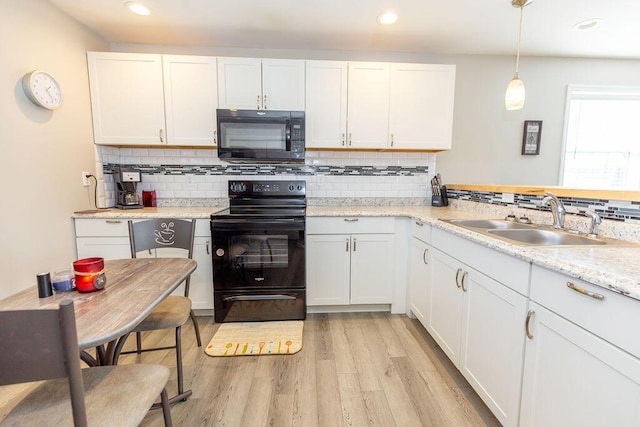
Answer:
[(557, 209), (595, 222)]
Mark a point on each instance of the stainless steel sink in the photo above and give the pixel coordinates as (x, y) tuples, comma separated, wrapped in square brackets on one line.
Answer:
[(533, 236)]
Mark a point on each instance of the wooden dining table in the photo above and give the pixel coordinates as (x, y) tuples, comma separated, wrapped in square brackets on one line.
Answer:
[(135, 286)]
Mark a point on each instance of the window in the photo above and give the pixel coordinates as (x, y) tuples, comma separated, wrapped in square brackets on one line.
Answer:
[(602, 138)]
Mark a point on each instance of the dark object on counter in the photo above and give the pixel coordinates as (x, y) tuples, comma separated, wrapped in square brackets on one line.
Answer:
[(438, 192), (44, 285), (149, 199)]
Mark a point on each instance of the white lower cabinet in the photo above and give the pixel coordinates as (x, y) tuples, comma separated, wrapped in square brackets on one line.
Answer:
[(109, 239), (576, 372), (419, 279), (349, 268), (479, 323)]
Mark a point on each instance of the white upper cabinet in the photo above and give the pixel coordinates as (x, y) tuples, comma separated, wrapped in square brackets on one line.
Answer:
[(326, 104), (421, 106), (131, 93), (191, 99), (126, 98), (261, 84), (368, 105)]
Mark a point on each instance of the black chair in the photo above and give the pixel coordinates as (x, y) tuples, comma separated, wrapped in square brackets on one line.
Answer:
[(158, 234), (42, 345)]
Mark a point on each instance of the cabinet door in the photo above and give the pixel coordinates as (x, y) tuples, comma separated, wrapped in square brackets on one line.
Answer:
[(328, 269), (419, 279), (493, 343), (283, 84), (103, 247), (127, 102), (201, 287), (421, 106), (446, 304), (371, 268), (368, 105), (326, 104), (191, 99), (239, 83), (574, 378)]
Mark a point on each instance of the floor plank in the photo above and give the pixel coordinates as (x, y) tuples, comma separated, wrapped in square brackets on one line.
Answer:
[(355, 369)]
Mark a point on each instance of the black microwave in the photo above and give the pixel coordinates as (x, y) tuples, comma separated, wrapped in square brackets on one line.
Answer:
[(261, 136)]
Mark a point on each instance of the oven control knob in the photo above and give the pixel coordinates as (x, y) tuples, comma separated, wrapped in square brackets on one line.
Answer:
[(291, 187), (299, 187)]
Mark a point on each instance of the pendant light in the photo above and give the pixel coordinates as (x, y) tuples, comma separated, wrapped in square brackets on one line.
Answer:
[(514, 97)]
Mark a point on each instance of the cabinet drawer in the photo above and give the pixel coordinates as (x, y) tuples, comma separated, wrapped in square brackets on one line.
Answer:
[(112, 227), (613, 318), (203, 228), (350, 225), (510, 271), (421, 230)]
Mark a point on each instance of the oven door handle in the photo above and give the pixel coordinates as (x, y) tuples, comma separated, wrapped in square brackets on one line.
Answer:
[(257, 297)]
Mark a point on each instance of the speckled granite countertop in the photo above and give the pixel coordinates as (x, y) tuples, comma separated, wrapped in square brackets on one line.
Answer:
[(614, 268)]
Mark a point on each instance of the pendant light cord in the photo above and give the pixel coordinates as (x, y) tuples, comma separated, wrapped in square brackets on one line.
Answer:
[(519, 37)]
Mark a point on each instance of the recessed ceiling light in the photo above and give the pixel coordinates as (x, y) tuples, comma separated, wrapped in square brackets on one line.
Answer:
[(587, 24), (387, 18), (137, 8)]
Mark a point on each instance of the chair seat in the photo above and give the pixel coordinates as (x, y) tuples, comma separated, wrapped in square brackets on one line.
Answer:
[(114, 396), (170, 313)]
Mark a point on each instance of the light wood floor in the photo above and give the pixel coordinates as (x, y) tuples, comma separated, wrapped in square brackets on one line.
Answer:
[(355, 369)]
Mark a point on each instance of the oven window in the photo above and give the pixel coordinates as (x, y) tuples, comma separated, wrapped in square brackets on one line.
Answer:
[(255, 136), (256, 252)]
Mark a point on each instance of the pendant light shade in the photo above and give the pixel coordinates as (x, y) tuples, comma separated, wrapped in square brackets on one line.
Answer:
[(514, 97)]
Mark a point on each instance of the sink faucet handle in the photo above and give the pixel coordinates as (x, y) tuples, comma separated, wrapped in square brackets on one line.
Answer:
[(595, 221)]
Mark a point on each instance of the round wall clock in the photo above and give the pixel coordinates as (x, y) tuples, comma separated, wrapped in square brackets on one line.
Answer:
[(42, 89)]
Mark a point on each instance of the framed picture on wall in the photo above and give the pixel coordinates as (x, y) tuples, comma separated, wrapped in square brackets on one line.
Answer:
[(531, 137)]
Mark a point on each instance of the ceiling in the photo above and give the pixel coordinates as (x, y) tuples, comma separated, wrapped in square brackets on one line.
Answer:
[(423, 26)]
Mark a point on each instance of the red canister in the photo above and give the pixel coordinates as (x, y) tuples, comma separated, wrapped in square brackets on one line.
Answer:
[(89, 274)]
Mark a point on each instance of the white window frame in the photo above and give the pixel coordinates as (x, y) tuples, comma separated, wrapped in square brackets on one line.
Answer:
[(591, 92)]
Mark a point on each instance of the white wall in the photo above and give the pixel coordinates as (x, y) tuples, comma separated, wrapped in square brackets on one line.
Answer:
[(43, 153)]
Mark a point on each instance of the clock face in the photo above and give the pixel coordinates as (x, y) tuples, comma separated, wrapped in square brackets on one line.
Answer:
[(42, 89)]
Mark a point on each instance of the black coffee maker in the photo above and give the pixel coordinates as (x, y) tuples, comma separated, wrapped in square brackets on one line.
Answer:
[(126, 180)]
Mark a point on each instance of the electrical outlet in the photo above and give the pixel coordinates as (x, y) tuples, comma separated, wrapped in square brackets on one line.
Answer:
[(85, 179)]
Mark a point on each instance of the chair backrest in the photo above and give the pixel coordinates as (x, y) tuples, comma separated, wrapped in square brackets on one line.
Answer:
[(162, 233), (41, 345)]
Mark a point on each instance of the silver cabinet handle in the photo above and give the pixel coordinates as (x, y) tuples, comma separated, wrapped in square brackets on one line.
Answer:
[(526, 324), (419, 224), (583, 291), (112, 221), (462, 281), (150, 253), (215, 137), (264, 102), (258, 102), (161, 134), (347, 247), (354, 244), (458, 277), (349, 139), (207, 246), (425, 256), (392, 140), (351, 219), (343, 139)]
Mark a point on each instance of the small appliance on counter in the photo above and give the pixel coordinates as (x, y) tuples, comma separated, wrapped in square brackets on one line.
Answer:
[(126, 180)]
